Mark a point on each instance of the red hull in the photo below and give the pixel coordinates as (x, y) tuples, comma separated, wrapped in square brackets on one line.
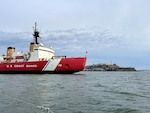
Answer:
[(71, 65), (65, 65), (39, 59)]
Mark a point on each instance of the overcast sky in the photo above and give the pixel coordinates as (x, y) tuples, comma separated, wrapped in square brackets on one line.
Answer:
[(116, 31)]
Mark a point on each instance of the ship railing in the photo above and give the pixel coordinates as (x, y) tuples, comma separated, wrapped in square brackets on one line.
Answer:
[(55, 57)]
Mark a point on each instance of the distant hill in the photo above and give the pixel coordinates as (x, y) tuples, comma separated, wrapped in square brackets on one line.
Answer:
[(108, 67)]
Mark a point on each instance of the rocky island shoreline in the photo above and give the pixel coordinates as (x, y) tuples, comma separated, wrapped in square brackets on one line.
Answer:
[(108, 67)]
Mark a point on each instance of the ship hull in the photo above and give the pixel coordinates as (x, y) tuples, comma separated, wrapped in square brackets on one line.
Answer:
[(37, 72), (53, 66)]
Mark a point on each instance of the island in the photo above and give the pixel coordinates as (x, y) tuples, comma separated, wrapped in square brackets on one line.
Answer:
[(108, 67)]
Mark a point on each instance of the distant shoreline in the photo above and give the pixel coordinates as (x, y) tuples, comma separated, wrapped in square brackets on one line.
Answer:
[(108, 67)]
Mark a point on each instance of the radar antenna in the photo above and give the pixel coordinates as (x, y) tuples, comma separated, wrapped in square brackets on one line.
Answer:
[(36, 34)]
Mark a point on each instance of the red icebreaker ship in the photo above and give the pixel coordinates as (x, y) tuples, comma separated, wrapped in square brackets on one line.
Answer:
[(39, 59)]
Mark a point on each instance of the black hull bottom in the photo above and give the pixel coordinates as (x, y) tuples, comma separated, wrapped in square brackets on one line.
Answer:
[(37, 72)]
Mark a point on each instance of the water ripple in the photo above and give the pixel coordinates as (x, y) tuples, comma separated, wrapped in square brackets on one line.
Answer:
[(86, 92)]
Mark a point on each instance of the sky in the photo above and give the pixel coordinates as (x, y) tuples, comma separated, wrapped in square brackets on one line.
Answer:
[(111, 31)]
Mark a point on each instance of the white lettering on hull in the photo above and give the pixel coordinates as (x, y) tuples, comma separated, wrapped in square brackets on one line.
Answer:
[(34, 65), (21, 66), (18, 66)]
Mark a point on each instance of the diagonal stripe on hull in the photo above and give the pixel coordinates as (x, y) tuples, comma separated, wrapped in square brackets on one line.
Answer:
[(51, 65)]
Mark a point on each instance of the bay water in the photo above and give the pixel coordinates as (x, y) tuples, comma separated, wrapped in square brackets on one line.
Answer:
[(83, 92)]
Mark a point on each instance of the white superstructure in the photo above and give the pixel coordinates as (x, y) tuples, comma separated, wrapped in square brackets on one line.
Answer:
[(40, 52)]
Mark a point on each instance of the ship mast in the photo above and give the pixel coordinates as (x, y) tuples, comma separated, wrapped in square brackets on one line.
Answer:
[(36, 34)]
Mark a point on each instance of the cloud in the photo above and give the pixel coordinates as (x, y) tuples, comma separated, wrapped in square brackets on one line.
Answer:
[(19, 40), (120, 33), (81, 40), (75, 40), (102, 45)]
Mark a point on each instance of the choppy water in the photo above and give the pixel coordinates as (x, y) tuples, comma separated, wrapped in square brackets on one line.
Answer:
[(85, 92)]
